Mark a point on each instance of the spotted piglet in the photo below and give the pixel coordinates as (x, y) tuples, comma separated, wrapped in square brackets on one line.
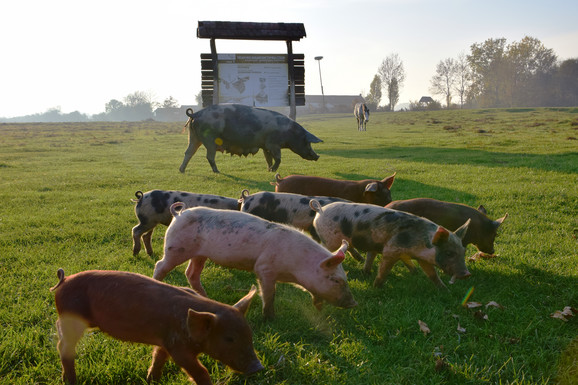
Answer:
[(396, 235), (273, 251), (152, 208)]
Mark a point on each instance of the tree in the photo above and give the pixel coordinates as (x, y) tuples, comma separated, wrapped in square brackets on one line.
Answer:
[(393, 94), (170, 102), (373, 98), (531, 65), (392, 76), (463, 77), (567, 83), (443, 82), (489, 72)]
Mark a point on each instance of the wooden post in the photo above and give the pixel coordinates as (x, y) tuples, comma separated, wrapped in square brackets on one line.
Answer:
[(215, 72), (291, 70)]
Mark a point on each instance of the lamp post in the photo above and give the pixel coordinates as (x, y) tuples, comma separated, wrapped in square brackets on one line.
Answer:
[(318, 58)]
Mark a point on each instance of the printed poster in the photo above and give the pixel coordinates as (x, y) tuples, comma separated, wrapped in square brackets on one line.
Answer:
[(259, 80)]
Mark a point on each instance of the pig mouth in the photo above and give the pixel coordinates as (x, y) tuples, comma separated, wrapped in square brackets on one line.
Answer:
[(255, 367), (466, 275), (348, 304)]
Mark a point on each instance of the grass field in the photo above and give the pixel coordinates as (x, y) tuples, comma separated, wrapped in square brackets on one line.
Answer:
[(65, 193)]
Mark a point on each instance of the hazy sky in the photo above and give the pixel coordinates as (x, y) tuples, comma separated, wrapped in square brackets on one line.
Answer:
[(78, 55)]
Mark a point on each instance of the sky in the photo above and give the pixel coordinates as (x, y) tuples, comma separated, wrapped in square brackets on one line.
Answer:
[(77, 55)]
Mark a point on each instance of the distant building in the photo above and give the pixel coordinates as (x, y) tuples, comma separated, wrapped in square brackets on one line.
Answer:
[(333, 103), (173, 114), (425, 100)]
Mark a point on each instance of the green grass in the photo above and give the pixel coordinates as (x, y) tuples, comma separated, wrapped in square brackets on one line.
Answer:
[(65, 193)]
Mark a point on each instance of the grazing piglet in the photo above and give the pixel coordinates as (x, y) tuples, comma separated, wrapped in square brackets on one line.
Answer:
[(291, 209), (363, 191), (152, 208), (275, 252), (481, 232), (396, 235), (133, 307)]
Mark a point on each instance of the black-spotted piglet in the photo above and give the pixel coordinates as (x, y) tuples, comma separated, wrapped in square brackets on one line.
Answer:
[(396, 235), (153, 206)]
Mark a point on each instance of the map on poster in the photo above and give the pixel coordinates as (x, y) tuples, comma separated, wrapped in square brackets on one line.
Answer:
[(259, 80)]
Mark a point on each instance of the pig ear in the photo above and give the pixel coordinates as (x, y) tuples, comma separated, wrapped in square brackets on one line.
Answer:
[(371, 187), (461, 232), (441, 235), (389, 181), (482, 209), (312, 138), (337, 258), (200, 323), (245, 302), (498, 222)]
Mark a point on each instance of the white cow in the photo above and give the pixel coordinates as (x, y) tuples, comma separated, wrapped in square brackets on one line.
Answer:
[(361, 112)]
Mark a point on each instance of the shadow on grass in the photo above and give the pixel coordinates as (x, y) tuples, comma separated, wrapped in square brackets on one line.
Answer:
[(565, 162)]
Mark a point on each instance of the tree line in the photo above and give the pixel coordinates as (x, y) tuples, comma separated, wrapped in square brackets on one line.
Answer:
[(493, 74), (137, 106)]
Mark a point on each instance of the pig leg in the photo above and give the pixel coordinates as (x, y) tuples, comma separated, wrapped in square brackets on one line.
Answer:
[(211, 151), (146, 238), (189, 362), (406, 259), (267, 287), (274, 152), (355, 254), (145, 232), (268, 158), (431, 272), (193, 274), (160, 356), (70, 331), (193, 147), (369, 258), (385, 267)]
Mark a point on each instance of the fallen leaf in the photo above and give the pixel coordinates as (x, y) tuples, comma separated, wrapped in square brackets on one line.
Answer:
[(481, 255), (565, 314), (494, 304), (558, 314), (423, 327), (461, 329), (472, 305), (569, 311)]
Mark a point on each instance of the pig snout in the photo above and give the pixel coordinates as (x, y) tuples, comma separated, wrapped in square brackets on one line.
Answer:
[(463, 275), (345, 302), (311, 156), (254, 367)]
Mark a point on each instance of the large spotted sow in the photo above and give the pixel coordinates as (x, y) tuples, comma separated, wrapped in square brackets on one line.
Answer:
[(243, 130)]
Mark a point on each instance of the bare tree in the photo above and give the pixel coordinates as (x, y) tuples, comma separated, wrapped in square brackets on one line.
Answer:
[(444, 80), (463, 77), (392, 77)]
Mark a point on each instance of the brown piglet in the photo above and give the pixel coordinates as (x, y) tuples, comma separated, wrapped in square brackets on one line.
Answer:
[(133, 307)]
